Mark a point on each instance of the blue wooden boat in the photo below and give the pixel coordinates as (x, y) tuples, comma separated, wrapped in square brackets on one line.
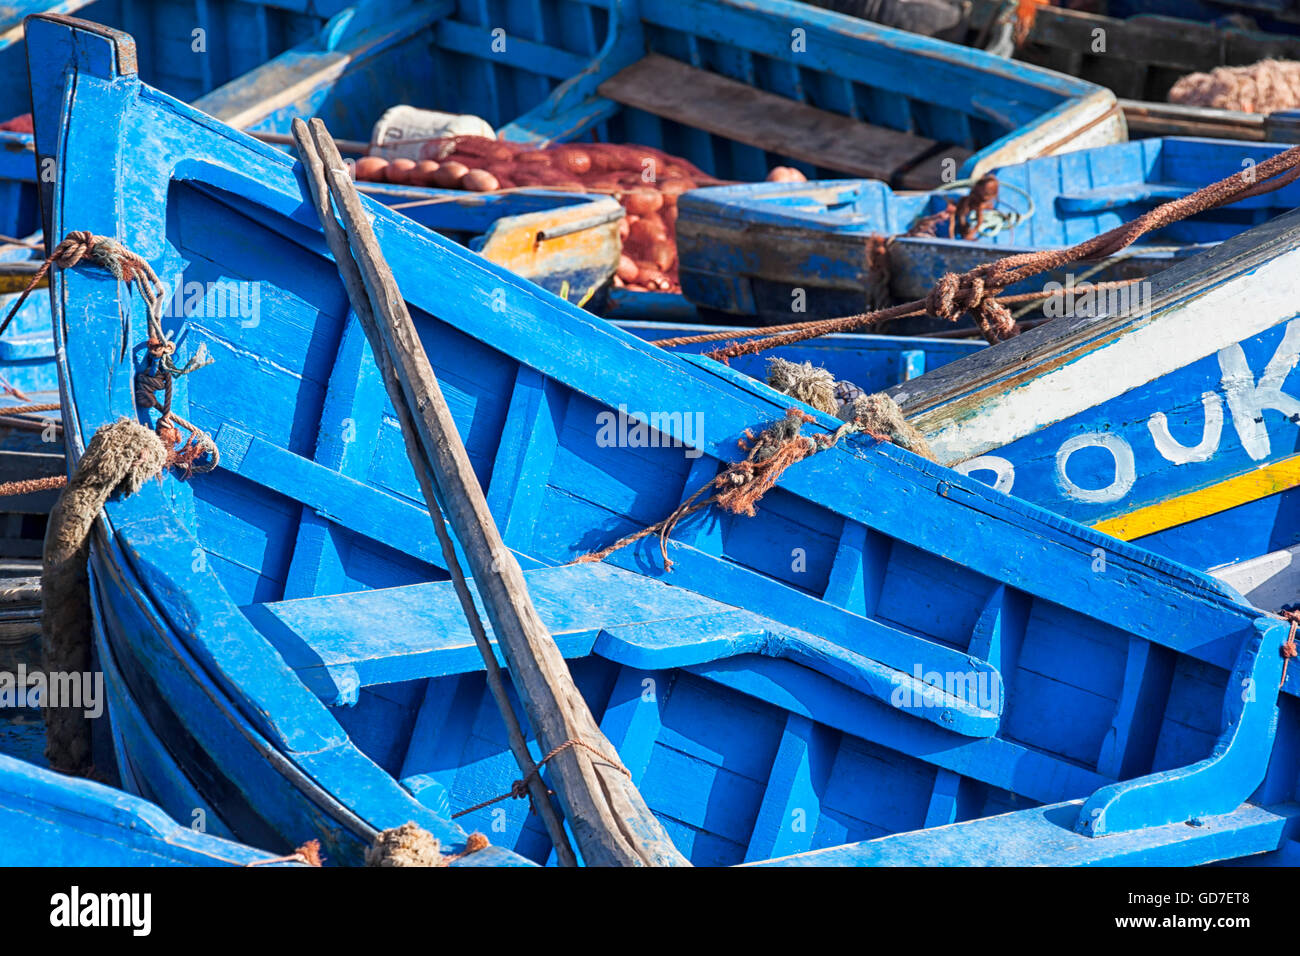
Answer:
[(1168, 418), (47, 819), (871, 362), (773, 696), (766, 249), (748, 85), (188, 48)]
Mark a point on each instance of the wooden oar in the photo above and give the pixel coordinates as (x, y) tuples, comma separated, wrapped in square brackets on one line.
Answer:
[(279, 139), (606, 813), (352, 281)]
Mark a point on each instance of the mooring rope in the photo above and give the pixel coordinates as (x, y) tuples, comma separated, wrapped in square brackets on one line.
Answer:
[(25, 486), (966, 217), (121, 457), (195, 454), (773, 330), (976, 291), (29, 409), (308, 854)]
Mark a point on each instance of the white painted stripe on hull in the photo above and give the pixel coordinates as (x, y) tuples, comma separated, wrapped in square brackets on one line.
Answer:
[(1178, 336)]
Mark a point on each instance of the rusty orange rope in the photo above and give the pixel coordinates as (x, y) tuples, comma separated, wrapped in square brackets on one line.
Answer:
[(742, 483), (976, 290), (79, 245), (1289, 649), (765, 330), (27, 486), (308, 854), (29, 409)]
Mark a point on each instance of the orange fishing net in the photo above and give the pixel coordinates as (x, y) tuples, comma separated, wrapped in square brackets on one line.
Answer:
[(645, 181), (1262, 87)]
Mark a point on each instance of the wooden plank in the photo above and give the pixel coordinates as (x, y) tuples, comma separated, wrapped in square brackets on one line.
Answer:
[(1221, 781), (725, 107), (334, 646), (945, 799), (424, 632), (788, 816), (1131, 741), (317, 566), (1170, 119), (609, 819), (525, 454)]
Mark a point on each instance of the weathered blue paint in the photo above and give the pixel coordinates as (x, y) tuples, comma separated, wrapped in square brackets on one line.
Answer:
[(47, 819), (788, 251), (282, 635)]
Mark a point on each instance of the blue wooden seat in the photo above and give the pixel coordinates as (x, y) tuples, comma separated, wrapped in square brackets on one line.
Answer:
[(341, 643)]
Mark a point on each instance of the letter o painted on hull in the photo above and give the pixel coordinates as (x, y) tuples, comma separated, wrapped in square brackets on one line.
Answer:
[(1125, 472)]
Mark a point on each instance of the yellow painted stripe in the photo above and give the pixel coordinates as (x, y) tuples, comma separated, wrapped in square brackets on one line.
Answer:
[(17, 282), (1229, 493)]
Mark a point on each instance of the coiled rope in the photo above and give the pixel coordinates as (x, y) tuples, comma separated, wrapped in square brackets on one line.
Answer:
[(120, 458), (412, 845)]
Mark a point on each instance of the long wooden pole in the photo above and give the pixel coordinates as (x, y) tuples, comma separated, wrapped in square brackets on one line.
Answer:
[(351, 276), (608, 817)]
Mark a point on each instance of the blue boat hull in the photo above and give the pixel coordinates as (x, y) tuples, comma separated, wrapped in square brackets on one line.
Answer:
[(50, 820), (885, 647), (785, 252), (546, 77), (1173, 425)]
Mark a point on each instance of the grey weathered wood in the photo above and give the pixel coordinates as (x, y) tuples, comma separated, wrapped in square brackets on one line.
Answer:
[(727, 107), (606, 813), (353, 146), (1174, 119), (353, 283)]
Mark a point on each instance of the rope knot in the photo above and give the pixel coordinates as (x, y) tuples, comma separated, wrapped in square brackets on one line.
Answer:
[(519, 789), (953, 296), (77, 246)]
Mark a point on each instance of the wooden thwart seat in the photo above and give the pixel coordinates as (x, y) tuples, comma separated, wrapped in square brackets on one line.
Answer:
[(341, 643), (738, 111)]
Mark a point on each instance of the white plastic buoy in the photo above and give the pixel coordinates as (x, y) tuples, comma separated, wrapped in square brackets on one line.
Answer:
[(402, 130)]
